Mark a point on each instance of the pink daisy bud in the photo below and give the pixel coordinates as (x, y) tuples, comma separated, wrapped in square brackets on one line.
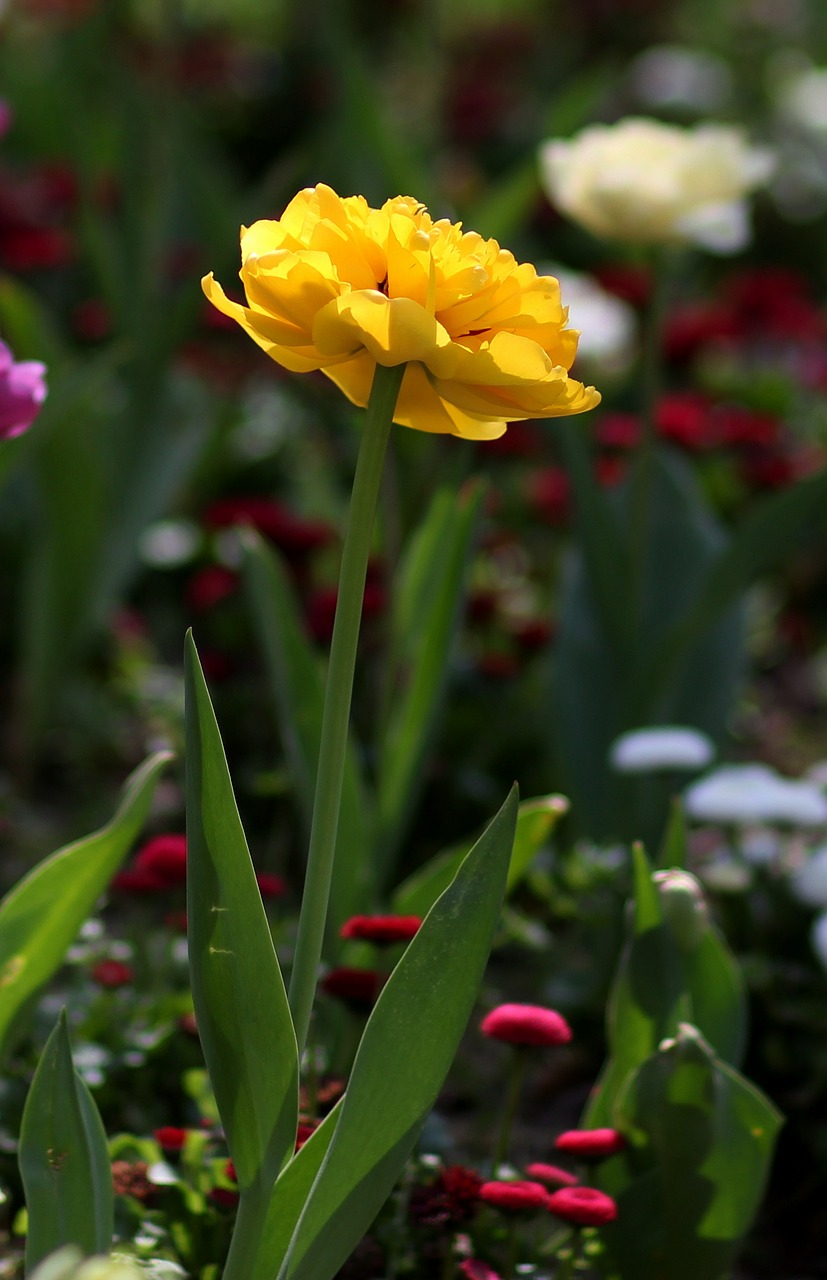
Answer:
[(591, 1144), (526, 1024), (514, 1197), (551, 1175), (584, 1206), (383, 930)]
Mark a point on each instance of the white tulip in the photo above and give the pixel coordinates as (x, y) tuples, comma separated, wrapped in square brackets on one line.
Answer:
[(660, 747)]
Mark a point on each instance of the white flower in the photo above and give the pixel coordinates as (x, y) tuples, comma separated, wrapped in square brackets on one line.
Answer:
[(652, 183), (661, 747), (745, 793), (670, 75), (607, 325), (809, 883)]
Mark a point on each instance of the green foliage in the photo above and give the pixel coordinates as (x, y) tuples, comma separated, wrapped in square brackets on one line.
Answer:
[(240, 1001), (41, 915), (64, 1159)]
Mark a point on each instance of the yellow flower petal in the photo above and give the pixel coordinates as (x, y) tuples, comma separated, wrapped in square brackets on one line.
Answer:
[(391, 330)]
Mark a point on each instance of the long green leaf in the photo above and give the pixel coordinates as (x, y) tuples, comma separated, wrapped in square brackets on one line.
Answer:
[(403, 1058), (40, 916), (428, 603), (298, 692), (240, 1002), (536, 819), (64, 1159)]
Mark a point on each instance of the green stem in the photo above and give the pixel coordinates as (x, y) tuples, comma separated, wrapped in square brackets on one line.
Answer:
[(247, 1232), (333, 748), (642, 478), (515, 1084)]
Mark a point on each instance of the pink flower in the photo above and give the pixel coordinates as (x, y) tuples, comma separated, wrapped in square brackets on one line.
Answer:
[(22, 392), (112, 974), (514, 1197), (475, 1269), (591, 1144), (552, 1175), (526, 1024), (383, 930), (584, 1206)]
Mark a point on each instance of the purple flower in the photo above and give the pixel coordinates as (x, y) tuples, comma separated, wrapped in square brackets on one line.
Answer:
[(22, 392)]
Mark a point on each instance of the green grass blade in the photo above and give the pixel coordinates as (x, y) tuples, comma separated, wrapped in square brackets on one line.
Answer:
[(64, 1159), (240, 1002), (298, 692), (40, 916), (403, 1058)]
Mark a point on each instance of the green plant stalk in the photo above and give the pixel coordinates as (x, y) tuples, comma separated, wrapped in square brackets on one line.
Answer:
[(247, 1232), (336, 717), (512, 1098), (642, 476)]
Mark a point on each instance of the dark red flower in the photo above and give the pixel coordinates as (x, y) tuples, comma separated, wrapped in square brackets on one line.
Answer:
[(170, 1138), (618, 431), (176, 920), (164, 856), (290, 532), (304, 1130), (138, 880), (591, 1144), (693, 327), (532, 634), (92, 320), (632, 284), (551, 1175), (358, 988), (224, 1197), (229, 1171), (130, 1179), (498, 665), (584, 1206), (550, 494), (35, 248), (609, 470), (383, 930), (514, 1197), (270, 886), (528, 1024), (112, 973), (738, 425), (209, 586), (521, 440), (450, 1201), (687, 419)]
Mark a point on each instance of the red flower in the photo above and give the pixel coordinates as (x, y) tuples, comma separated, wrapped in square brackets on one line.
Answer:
[(552, 1175), (618, 431), (383, 930), (209, 586), (229, 1171), (526, 1024), (358, 988), (137, 880), (449, 1201), (514, 1197), (304, 1130), (170, 1138), (550, 495), (111, 973), (166, 857), (35, 248), (224, 1197), (591, 1144), (584, 1206), (687, 419), (270, 886), (290, 532)]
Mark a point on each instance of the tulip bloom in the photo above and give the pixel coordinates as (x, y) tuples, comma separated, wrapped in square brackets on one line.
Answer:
[(337, 286), (22, 392)]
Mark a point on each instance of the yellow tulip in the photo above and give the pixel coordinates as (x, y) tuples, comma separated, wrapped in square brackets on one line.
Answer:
[(338, 286)]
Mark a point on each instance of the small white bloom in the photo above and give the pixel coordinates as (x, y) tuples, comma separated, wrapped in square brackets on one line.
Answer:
[(818, 937), (607, 325), (661, 747), (803, 98), (746, 793), (809, 882), (670, 75), (651, 183)]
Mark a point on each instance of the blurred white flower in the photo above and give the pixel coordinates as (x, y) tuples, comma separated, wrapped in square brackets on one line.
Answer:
[(817, 773), (818, 937), (745, 793), (802, 97), (809, 883), (760, 846), (670, 75), (660, 747), (651, 183), (607, 324)]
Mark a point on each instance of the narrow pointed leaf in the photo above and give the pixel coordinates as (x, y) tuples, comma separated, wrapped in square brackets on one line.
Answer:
[(403, 1058), (240, 1002), (536, 819), (41, 915), (298, 693), (64, 1159)]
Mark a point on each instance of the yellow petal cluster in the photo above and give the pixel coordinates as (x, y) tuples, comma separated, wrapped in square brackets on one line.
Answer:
[(338, 286)]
